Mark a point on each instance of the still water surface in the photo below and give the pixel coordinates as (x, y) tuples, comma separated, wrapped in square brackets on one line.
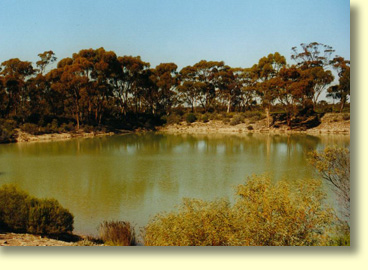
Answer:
[(133, 177)]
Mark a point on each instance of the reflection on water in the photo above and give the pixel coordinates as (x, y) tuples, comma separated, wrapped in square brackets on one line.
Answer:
[(132, 177)]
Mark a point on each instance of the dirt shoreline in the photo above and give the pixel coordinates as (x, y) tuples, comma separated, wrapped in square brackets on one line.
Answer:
[(331, 123), (25, 239), (24, 137)]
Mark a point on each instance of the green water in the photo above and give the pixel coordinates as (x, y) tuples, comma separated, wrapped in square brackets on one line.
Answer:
[(133, 177)]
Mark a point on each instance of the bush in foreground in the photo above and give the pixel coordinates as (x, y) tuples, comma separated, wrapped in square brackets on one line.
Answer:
[(20, 212), (117, 233), (264, 214)]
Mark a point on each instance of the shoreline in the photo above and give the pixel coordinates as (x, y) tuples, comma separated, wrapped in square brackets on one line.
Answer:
[(10, 239), (331, 123)]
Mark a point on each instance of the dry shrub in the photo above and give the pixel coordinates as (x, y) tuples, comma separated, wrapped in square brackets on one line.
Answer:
[(264, 214), (197, 223), (117, 233)]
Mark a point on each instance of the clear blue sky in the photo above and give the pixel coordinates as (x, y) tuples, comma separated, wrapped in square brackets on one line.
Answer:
[(238, 32)]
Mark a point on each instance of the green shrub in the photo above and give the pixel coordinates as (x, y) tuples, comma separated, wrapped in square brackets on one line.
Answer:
[(117, 233), (205, 118), (54, 125), (264, 214), (67, 127), (88, 129), (7, 130), (49, 217), (254, 115), (191, 117), (346, 116), (226, 121), (236, 120), (20, 212), (31, 129), (173, 119), (14, 208)]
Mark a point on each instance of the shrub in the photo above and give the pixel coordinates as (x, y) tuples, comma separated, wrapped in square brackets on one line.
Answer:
[(226, 121), (20, 212), (54, 125), (117, 233), (173, 119), (205, 118), (190, 118), (49, 217), (31, 129), (264, 214), (7, 130), (346, 116), (14, 208), (197, 223), (255, 115), (236, 120), (333, 164), (88, 129)]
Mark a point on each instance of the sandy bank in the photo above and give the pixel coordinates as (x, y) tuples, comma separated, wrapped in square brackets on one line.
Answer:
[(331, 123), (26, 137), (25, 239)]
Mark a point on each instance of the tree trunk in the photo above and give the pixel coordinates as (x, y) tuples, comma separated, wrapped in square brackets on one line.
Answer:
[(229, 104), (267, 110)]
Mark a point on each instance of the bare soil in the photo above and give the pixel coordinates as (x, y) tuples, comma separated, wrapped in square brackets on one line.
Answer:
[(25, 239), (26, 137)]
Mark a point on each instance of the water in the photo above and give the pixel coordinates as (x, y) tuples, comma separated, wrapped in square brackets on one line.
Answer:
[(133, 177)]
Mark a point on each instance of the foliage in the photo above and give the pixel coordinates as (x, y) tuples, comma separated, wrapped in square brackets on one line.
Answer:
[(7, 130), (47, 216), (117, 233), (264, 214), (254, 115), (333, 164), (191, 117), (20, 212), (205, 118), (95, 87), (32, 129), (236, 120), (173, 119)]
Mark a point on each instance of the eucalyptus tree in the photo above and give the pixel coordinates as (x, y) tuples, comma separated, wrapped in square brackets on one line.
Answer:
[(129, 84), (313, 59), (263, 72), (190, 88), (15, 74), (342, 90), (165, 79)]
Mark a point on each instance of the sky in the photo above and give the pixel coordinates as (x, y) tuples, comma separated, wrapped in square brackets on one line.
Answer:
[(238, 32)]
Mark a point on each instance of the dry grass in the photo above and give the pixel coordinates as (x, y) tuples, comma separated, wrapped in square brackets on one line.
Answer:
[(117, 233)]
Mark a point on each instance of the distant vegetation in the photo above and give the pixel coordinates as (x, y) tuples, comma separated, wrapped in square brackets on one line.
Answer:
[(20, 212), (95, 89)]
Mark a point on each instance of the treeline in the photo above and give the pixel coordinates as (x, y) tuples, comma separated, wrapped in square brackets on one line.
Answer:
[(99, 88)]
